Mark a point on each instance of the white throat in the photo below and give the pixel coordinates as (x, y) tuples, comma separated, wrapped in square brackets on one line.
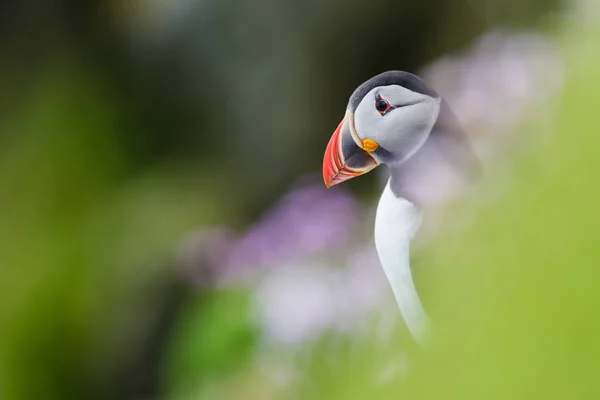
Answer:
[(396, 223)]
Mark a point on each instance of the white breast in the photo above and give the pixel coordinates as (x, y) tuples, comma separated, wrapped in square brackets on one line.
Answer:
[(396, 223)]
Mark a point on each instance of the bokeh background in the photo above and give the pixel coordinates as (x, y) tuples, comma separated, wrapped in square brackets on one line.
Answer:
[(165, 233)]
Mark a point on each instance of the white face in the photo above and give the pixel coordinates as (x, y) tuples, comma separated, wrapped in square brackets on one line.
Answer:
[(403, 128)]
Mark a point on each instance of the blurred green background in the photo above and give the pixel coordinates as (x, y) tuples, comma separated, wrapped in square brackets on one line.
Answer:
[(143, 145)]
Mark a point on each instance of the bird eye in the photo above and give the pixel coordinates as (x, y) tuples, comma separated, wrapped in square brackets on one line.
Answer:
[(382, 105)]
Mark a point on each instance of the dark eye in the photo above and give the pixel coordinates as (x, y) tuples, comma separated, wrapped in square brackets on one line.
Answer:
[(382, 105)]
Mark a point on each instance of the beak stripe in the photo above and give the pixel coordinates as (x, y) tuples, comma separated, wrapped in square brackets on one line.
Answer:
[(335, 162)]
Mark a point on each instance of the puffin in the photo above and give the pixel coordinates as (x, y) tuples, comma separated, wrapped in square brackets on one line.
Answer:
[(397, 120)]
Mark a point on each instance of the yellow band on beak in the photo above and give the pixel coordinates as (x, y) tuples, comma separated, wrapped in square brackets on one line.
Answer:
[(369, 145)]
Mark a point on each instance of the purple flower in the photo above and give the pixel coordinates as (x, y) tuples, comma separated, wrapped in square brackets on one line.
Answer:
[(309, 219), (492, 86)]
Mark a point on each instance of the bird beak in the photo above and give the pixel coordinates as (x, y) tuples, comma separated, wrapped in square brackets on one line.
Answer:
[(344, 159)]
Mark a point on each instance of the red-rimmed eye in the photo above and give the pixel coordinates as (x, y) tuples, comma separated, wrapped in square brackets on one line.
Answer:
[(382, 105)]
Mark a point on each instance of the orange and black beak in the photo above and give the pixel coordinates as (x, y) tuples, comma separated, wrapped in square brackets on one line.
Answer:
[(344, 159)]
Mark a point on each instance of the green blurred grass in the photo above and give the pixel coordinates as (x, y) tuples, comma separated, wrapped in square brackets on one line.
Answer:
[(86, 239)]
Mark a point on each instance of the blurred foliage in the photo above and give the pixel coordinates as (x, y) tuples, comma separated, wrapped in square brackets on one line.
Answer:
[(82, 260), (212, 340)]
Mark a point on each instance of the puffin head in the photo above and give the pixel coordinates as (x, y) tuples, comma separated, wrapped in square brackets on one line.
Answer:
[(388, 119)]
